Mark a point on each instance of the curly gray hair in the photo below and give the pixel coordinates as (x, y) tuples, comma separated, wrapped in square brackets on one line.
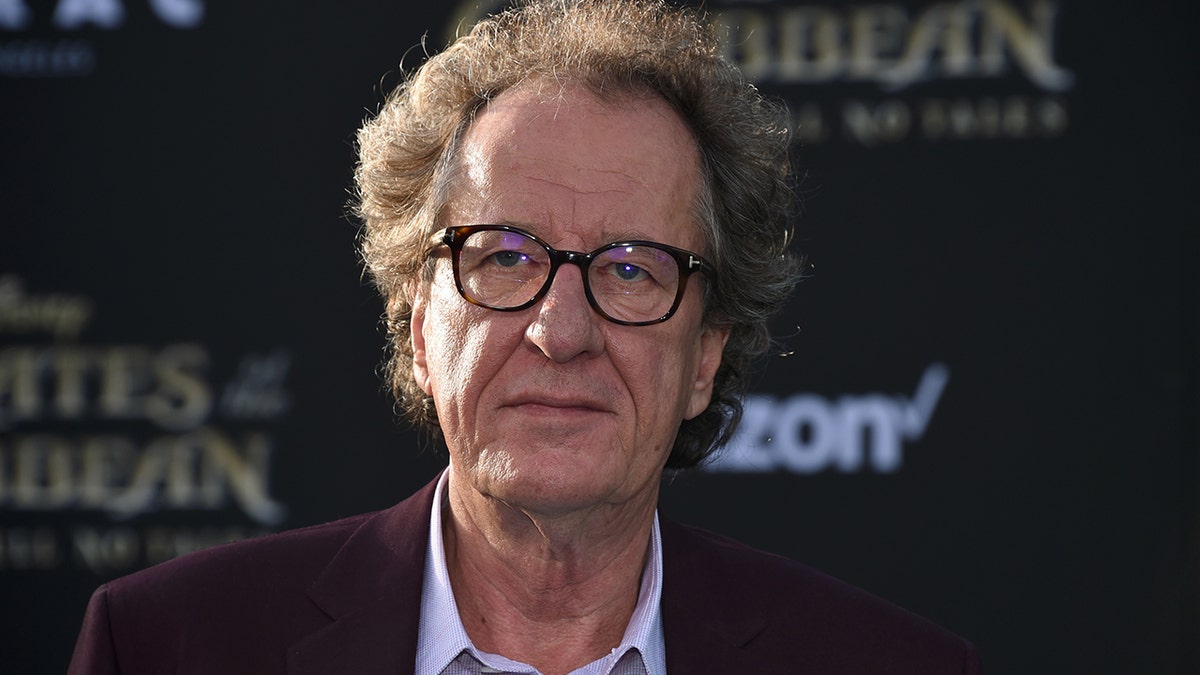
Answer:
[(407, 157)]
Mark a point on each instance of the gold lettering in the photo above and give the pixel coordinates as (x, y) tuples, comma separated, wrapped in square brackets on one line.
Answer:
[(29, 549), (1017, 123), (869, 124), (70, 367), (924, 38), (969, 121), (246, 475), (204, 469), (809, 124), (1052, 116), (43, 473), (123, 378), (108, 463), (810, 45), (103, 551), (183, 398), (990, 118), (20, 384), (957, 43), (749, 42), (62, 316), (184, 486), (876, 31), (142, 489), (879, 43), (1032, 44)]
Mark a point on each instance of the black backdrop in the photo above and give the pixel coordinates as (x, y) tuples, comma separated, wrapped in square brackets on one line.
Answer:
[(988, 408)]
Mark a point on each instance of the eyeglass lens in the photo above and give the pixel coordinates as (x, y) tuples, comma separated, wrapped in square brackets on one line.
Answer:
[(505, 270)]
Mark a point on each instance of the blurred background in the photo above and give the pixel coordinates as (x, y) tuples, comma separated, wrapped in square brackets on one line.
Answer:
[(983, 402)]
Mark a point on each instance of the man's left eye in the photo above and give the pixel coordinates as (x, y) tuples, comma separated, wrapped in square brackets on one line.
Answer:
[(509, 258)]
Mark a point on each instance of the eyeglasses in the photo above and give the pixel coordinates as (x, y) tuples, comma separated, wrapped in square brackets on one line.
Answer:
[(633, 283)]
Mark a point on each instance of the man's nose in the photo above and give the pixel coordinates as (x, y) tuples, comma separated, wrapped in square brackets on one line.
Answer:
[(566, 326)]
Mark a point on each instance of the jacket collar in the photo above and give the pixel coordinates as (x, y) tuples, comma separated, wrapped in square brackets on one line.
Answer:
[(371, 591)]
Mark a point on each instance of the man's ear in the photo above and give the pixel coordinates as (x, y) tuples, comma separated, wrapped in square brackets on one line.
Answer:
[(712, 346), (417, 325)]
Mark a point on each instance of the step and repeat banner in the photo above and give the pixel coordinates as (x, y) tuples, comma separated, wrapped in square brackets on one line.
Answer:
[(981, 405)]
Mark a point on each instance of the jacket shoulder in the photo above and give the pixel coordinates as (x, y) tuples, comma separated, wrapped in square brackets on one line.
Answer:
[(246, 598), (281, 560), (239, 608), (776, 609)]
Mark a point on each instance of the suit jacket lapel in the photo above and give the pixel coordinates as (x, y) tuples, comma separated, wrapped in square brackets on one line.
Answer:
[(371, 591)]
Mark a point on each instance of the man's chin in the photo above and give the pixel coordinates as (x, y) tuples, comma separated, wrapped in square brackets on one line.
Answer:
[(550, 484)]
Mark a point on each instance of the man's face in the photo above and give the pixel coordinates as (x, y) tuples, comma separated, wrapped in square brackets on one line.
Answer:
[(553, 408)]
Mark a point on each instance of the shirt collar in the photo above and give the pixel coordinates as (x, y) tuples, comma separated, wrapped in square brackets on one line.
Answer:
[(442, 637)]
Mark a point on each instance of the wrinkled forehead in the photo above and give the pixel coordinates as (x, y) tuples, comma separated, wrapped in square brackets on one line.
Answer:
[(548, 139)]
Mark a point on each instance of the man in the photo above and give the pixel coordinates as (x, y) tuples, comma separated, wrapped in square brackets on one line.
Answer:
[(577, 217)]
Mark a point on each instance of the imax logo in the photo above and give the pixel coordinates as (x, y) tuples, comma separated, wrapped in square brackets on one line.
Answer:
[(808, 433)]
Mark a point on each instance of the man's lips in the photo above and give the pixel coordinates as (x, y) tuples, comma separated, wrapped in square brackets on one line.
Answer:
[(557, 404)]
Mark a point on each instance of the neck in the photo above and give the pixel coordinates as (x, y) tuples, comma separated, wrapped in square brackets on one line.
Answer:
[(555, 591)]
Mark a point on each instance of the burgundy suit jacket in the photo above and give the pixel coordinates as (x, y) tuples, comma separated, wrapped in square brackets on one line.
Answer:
[(345, 598)]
